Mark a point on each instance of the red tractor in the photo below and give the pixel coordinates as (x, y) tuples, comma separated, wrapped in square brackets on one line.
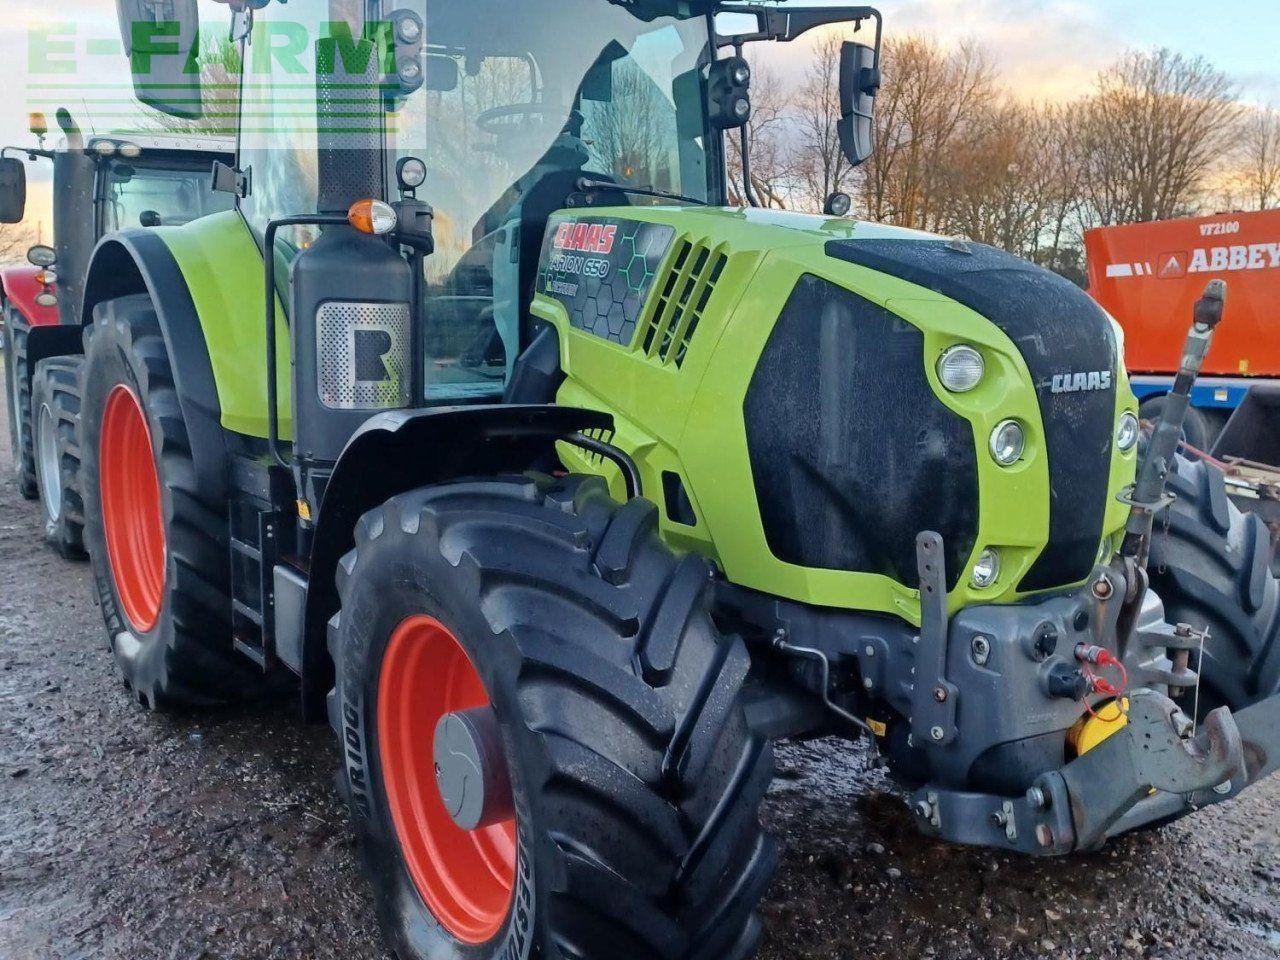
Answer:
[(101, 184)]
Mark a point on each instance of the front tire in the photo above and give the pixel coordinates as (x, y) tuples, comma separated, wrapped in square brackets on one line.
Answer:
[(55, 401), (17, 376), (635, 780), (159, 551), (1211, 565)]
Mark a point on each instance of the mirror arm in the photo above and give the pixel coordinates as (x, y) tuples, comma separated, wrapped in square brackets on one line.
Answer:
[(784, 26), (31, 153)]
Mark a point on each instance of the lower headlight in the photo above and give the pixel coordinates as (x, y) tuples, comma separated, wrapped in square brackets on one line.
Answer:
[(1127, 432), (987, 570), (1008, 443)]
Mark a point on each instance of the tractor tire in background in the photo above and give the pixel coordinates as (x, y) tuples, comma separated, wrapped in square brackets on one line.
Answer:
[(1199, 429), (159, 551), (630, 828), (1211, 565), (17, 377), (55, 403)]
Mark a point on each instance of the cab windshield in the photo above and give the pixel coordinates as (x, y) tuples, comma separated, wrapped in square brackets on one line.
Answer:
[(136, 195), (520, 102)]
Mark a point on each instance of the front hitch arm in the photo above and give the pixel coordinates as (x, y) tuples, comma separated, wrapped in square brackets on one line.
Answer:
[(1155, 751)]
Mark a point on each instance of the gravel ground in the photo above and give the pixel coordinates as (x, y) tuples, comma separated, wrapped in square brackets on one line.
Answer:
[(127, 835)]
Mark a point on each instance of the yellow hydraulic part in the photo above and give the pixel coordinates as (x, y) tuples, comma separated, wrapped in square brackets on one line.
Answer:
[(1105, 722)]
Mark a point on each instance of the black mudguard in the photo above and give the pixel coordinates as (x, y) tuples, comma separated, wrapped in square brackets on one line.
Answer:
[(135, 262), (394, 453)]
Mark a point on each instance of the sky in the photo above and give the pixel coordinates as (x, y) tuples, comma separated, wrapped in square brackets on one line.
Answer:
[(1044, 49)]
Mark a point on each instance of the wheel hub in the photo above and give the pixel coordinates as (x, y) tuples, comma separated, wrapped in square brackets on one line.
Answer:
[(471, 771)]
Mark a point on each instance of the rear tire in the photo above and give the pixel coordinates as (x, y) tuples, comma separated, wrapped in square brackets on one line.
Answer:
[(1211, 565), (17, 376), (635, 778), (169, 616), (55, 401)]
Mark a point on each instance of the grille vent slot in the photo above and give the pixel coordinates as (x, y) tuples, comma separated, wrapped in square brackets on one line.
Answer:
[(683, 296)]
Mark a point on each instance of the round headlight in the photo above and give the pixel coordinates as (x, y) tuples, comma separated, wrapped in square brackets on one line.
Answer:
[(742, 73), (130, 151), (987, 570), (46, 299), (104, 148), (1008, 443), (1127, 433), (961, 368), (411, 172)]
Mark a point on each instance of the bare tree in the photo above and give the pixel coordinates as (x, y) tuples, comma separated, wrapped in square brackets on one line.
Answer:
[(929, 97), (1260, 158), (997, 180), (821, 167), (1151, 132), (767, 131)]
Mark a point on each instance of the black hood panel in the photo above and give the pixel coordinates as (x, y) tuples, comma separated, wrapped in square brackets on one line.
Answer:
[(1061, 333)]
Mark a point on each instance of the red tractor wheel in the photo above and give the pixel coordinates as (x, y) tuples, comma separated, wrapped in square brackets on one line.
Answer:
[(467, 878), (158, 549), (546, 747), (132, 512)]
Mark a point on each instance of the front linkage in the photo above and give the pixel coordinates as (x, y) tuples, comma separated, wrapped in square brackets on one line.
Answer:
[(1154, 763)]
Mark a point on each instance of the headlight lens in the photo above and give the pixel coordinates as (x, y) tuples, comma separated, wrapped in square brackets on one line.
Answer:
[(1008, 443), (1127, 432), (961, 368), (987, 570)]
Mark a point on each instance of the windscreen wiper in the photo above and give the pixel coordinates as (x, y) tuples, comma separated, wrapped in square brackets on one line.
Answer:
[(587, 185)]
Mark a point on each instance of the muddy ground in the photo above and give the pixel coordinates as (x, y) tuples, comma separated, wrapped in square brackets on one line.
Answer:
[(132, 836)]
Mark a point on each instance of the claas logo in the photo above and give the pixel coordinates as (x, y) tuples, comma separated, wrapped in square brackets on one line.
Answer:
[(586, 237)]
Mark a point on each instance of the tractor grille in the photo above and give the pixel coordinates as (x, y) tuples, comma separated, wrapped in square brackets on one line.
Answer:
[(684, 293), (363, 355), (1058, 330), (849, 443)]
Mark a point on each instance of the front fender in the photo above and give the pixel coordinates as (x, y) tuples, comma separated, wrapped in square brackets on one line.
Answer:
[(394, 453), (139, 262)]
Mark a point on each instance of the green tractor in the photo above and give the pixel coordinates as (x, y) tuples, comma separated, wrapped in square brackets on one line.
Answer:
[(566, 489), (101, 184)]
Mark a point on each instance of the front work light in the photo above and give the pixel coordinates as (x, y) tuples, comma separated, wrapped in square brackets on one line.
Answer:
[(961, 368)]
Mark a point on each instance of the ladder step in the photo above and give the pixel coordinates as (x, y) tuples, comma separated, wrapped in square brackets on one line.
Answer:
[(247, 550), (254, 616), (256, 654)]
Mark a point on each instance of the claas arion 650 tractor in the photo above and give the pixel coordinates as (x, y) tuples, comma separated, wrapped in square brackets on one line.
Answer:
[(565, 489), (101, 184)]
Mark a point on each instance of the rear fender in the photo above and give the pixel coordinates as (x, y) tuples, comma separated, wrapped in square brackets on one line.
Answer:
[(392, 454)]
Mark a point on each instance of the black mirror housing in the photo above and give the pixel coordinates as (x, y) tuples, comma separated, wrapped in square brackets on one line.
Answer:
[(164, 55), (859, 86), (13, 190)]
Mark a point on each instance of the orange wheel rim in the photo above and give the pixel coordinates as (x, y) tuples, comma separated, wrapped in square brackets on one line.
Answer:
[(466, 878), (132, 511)]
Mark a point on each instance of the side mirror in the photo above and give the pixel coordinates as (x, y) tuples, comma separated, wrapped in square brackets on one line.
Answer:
[(859, 86), (42, 256), (13, 190), (162, 42)]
